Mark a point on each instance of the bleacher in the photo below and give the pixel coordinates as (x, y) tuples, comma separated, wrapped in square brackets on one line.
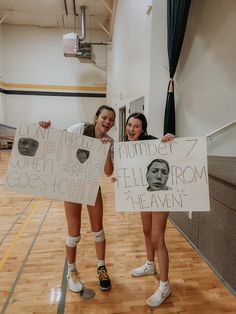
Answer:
[(7, 134)]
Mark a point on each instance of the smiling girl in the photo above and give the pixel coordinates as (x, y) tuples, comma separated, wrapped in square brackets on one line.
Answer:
[(104, 120), (154, 223)]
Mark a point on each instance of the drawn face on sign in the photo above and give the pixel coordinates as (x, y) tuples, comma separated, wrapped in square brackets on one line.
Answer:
[(82, 155), (157, 175), (27, 146)]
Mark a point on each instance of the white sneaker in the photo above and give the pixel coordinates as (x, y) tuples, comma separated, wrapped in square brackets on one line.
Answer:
[(158, 297), (73, 280), (144, 270)]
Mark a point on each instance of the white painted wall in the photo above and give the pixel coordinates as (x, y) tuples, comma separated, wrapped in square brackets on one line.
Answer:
[(206, 74), (1, 77), (205, 78), (129, 55), (34, 55), (1, 74), (159, 74)]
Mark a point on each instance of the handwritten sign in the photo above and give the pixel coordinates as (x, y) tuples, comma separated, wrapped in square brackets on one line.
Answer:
[(156, 176), (55, 163)]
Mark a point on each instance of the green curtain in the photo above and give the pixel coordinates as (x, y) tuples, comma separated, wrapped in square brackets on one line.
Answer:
[(177, 16)]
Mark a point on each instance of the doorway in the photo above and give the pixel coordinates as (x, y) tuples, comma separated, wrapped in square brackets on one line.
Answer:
[(122, 121)]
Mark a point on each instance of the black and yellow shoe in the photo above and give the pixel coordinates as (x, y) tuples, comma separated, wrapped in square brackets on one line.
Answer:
[(104, 280)]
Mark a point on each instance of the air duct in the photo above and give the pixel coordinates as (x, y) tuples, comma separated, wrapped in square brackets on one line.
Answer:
[(74, 45), (70, 45)]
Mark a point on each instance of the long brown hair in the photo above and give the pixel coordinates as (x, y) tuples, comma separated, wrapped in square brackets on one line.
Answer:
[(141, 117), (89, 128)]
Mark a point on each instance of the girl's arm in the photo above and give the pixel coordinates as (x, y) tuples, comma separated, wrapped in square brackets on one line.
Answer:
[(168, 137), (108, 167)]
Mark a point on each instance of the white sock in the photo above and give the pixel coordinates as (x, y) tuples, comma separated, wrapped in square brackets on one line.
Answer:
[(164, 285), (150, 263), (71, 267), (100, 262)]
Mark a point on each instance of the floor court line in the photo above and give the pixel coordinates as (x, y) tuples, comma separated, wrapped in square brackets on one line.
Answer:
[(11, 290), (18, 235), (62, 301), (16, 220)]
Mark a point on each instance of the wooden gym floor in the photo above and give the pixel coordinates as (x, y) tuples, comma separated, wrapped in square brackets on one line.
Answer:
[(32, 262)]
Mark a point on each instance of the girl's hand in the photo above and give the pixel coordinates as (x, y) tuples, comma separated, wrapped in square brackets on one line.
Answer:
[(113, 179), (168, 137), (45, 124), (105, 140)]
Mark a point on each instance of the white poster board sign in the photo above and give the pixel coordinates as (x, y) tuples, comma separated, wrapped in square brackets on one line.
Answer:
[(56, 163), (156, 176)]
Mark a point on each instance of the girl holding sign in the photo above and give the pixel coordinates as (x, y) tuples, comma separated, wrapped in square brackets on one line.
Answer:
[(104, 120), (154, 223)]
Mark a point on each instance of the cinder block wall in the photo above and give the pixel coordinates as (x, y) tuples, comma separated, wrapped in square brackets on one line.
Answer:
[(213, 233)]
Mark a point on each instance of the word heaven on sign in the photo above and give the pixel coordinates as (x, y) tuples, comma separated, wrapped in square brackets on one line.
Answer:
[(156, 176), (55, 163)]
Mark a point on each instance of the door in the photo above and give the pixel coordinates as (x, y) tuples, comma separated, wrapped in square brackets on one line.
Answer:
[(137, 105), (122, 121)]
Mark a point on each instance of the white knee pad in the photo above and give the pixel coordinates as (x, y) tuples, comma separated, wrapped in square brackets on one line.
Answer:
[(98, 236), (72, 241)]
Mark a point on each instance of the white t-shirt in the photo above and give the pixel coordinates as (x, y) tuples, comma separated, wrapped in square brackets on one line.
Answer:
[(78, 128)]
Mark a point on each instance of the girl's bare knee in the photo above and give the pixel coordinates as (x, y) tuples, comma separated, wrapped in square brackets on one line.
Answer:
[(147, 233), (158, 241), (97, 227), (74, 231)]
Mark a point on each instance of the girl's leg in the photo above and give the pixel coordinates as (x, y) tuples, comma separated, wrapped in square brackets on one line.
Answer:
[(149, 267), (159, 220), (96, 218), (146, 218), (73, 217)]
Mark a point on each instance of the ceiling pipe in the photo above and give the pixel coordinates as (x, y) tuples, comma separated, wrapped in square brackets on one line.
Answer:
[(112, 18), (66, 7), (83, 23), (104, 28), (106, 6), (5, 16), (75, 13), (63, 21)]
